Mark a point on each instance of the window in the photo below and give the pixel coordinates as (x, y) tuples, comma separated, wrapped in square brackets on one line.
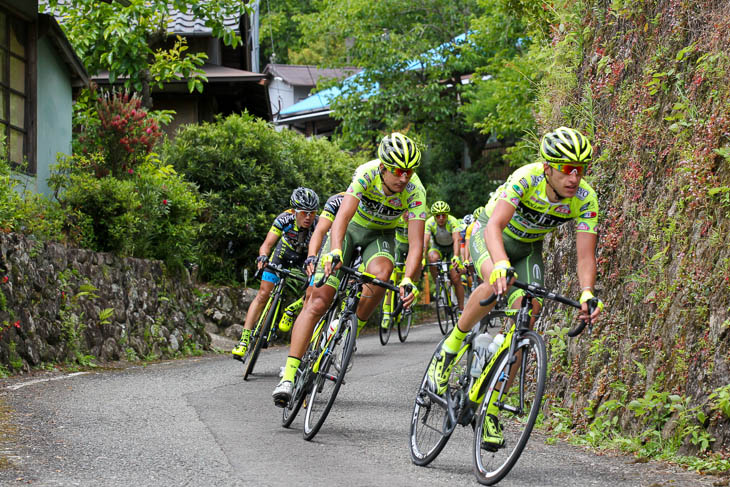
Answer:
[(14, 87)]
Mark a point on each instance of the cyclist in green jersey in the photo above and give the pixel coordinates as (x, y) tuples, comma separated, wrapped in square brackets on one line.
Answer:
[(380, 192), (534, 201), (442, 242)]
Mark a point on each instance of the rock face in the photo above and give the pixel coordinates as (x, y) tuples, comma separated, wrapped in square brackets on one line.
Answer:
[(61, 304)]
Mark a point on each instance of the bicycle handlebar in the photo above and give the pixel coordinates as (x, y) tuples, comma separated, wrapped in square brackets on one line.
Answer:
[(277, 269), (359, 275), (539, 291)]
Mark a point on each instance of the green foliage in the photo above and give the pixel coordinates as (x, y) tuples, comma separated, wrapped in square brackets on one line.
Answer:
[(148, 214), (131, 42), (721, 400), (246, 172), (281, 31)]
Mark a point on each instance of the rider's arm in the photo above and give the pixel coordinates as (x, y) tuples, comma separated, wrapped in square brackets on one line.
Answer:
[(344, 215), (498, 221), (456, 235), (320, 231), (415, 244), (585, 244), (268, 244), (426, 241)]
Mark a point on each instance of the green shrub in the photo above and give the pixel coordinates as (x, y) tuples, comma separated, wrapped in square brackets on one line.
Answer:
[(247, 171), (151, 213)]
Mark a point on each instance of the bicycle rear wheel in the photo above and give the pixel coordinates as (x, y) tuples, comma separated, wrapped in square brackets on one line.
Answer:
[(518, 411), (329, 378), (404, 324), (431, 427), (259, 340), (301, 384)]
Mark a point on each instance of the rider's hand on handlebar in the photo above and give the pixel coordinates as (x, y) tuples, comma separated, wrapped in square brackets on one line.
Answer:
[(309, 264), (333, 257), (456, 263), (408, 292), (261, 261), (585, 298), (498, 277)]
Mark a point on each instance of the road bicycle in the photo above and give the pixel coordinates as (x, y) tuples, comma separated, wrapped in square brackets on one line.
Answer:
[(393, 312), (328, 358), (467, 397), (447, 311), (266, 330)]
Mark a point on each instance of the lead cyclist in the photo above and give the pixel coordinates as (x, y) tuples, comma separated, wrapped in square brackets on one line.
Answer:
[(534, 201)]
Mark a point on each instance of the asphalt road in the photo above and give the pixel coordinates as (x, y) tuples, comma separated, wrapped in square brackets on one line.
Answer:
[(196, 422)]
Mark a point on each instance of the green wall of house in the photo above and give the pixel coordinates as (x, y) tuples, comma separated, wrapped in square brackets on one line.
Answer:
[(54, 112)]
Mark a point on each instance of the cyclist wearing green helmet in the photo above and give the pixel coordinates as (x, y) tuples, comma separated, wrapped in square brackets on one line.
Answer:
[(381, 191), (535, 200), (443, 242)]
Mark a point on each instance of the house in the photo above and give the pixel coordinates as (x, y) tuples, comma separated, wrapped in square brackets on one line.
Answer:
[(38, 74), (231, 87), (289, 84)]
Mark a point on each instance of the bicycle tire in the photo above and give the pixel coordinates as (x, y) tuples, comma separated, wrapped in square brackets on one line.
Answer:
[(492, 465), (404, 324), (441, 308), (262, 336), (427, 438), (290, 411), (384, 331), (321, 397)]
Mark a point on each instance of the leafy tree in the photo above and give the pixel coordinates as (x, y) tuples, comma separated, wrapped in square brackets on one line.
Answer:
[(247, 172), (131, 42), (281, 30)]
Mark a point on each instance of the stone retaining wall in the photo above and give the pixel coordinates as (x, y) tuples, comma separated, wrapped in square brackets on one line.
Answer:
[(60, 304)]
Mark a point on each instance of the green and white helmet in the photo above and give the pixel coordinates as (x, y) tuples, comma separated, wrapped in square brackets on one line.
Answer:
[(565, 145), (397, 150), (440, 207)]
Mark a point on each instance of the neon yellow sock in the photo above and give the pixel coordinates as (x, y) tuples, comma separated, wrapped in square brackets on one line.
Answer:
[(290, 369), (491, 408), (454, 340), (360, 325)]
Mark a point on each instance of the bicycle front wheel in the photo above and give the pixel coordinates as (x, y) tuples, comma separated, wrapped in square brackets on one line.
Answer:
[(444, 310), (386, 322), (431, 426), (329, 378), (259, 339), (518, 408), (404, 324)]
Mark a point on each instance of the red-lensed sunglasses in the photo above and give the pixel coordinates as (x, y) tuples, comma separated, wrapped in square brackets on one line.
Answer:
[(400, 172), (569, 168)]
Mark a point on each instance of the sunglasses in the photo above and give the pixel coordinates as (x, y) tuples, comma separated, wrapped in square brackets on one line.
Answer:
[(306, 213), (400, 172), (570, 168)]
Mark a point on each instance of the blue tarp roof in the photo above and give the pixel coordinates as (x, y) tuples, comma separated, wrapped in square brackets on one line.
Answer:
[(321, 100)]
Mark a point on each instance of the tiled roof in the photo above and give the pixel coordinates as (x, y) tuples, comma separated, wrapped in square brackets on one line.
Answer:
[(303, 75), (187, 24)]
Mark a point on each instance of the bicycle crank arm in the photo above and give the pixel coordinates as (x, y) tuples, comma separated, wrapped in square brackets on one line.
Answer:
[(507, 407)]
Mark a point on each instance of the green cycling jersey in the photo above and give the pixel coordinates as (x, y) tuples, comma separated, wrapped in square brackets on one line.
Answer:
[(442, 236), (535, 215), (378, 211)]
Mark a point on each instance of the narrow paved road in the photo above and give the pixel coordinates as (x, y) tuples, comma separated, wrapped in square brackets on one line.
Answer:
[(196, 422)]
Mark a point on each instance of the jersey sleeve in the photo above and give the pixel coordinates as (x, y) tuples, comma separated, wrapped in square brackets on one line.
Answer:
[(431, 226), (516, 186), (279, 223), (587, 220), (416, 200), (359, 184)]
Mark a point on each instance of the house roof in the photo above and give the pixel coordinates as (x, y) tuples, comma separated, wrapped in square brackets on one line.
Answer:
[(48, 26), (319, 102), (214, 73), (305, 75), (187, 24)]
